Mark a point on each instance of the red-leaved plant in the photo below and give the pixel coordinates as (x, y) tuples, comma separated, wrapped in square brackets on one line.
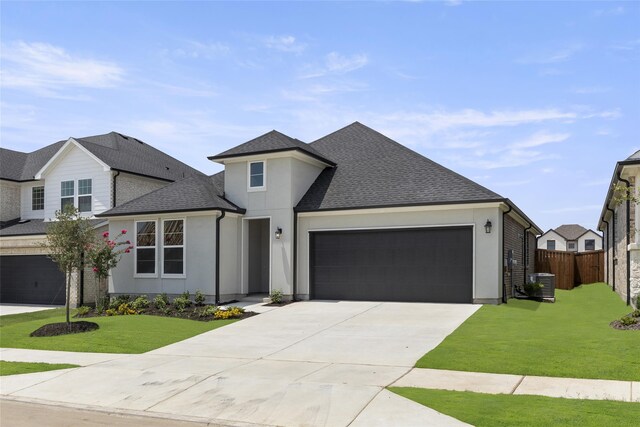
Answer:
[(103, 255)]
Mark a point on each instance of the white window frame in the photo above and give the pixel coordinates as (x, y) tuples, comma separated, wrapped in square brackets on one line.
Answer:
[(135, 251), (183, 246), (42, 208), (72, 196), (572, 246), (264, 176), (85, 195), (555, 246)]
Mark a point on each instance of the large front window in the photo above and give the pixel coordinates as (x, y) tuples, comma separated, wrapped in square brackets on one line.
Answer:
[(66, 194), (173, 247), (146, 247), (37, 198), (84, 195)]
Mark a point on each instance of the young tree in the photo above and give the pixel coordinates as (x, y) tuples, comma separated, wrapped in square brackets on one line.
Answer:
[(67, 238), (103, 255)]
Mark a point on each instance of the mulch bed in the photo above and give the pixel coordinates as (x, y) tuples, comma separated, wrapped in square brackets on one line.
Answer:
[(55, 329), (617, 325), (273, 304), (191, 313)]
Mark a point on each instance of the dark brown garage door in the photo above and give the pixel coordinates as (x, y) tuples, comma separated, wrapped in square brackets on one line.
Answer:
[(32, 279), (424, 264)]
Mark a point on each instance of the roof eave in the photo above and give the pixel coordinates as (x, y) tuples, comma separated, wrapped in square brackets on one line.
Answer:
[(133, 213), (220, 158)]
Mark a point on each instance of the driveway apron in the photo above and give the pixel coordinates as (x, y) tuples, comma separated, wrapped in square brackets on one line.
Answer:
[(316, 363)]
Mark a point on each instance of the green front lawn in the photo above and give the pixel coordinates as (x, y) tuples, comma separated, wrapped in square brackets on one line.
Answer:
[(13, 368), (523, 410), (117, 334), (570, 338)]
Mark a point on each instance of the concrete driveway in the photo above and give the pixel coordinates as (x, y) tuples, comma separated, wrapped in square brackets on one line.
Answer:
[(309, 363), (23, 308)]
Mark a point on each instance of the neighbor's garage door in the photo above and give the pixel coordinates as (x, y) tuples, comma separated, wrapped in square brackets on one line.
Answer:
[(425, 264), (32, 279)]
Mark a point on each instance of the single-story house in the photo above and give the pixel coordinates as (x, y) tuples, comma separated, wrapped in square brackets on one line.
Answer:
[(570, 238), (351, 216), (619, 221), (94, 174)]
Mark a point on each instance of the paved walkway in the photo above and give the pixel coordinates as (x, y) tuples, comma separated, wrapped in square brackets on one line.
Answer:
[(311, 363), (6, 309), (570, 388)]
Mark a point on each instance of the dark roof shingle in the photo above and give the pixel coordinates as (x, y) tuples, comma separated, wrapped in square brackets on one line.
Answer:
[(570, 231), (273, 141), (196, 193), (34, 227), (375, 171)]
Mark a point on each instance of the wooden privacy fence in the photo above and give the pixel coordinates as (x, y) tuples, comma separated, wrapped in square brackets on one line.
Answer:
[(571, 268)]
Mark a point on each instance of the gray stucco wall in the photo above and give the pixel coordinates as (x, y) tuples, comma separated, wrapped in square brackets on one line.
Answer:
[(9, 200)]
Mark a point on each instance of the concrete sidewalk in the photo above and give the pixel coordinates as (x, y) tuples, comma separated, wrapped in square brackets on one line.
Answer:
[(48, 356), (570, 388)]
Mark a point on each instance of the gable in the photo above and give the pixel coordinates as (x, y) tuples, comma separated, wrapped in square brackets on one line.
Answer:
[(70, 153)]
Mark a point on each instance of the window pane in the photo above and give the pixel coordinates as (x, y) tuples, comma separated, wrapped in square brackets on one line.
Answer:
[(84, 186), (589, 245), (66, 188), (173, 261), (146, 260), (66, 201), (37, 198), (257, 181), (146, 233), (551, 245), (84, 203), (174, 233), (257, 168)]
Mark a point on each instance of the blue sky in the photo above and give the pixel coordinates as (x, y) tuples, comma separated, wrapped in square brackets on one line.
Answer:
[(535, 100)]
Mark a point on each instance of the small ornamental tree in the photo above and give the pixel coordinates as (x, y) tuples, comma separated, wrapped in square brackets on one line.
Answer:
[(104, 254), (67, 238)]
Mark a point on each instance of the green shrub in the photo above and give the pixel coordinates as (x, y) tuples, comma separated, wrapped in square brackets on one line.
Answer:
[(103, 304), (126, 309), (533, 289), (83, 310), (161, 301), (186, 295), (635, 313), (209, 310), (111, 312), (180, 303), (140, 303), (628, 320), (276, 296), (118, 301), (199, 298), (230, 313)]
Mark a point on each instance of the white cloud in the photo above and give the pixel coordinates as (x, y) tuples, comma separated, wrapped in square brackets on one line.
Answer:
[(47, 70), (284, 44), (453, 2), (551, 56), (588, 90), (335, 63), (614, 11), (541, 138), (199, 50)]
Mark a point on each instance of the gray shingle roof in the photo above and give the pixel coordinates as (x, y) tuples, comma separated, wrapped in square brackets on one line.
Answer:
[(34, 227), (375, 171), (196, 193), (570, 231), (273, 141), (119, 151)]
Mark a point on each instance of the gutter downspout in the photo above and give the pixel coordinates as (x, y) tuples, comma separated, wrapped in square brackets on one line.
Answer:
[(218, 219), (115, 186), (628, 224), (295, 255), (607, 245), (504, 282), (525, 252), (614, 252)]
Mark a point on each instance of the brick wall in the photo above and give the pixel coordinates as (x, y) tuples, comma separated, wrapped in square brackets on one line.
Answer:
[(620, 252), (513, 239), (9, 200)]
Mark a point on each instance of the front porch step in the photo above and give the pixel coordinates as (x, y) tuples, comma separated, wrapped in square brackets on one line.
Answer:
[(257, 298)]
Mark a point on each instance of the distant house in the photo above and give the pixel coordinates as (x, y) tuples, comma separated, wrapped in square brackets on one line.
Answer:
[(93, 174), (570, 238)]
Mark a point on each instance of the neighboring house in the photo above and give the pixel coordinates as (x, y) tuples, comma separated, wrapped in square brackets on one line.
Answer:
[(351, 216), (618, 221), (570, 238), (94, 174)]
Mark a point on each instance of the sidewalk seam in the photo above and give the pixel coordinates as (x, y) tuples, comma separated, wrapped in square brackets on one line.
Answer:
[(518, 384)]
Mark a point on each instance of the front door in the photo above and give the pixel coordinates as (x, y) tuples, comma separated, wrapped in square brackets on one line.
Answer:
[(259, 256)]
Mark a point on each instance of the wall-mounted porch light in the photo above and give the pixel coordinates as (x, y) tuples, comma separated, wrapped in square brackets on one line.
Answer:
[(487, 226), (278, 233)]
